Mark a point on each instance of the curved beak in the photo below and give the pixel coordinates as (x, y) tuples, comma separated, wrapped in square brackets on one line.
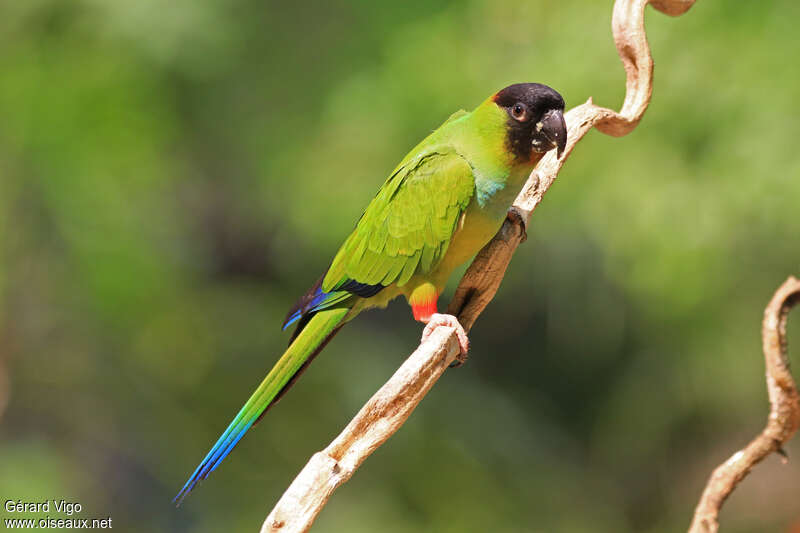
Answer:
[(554, 130)]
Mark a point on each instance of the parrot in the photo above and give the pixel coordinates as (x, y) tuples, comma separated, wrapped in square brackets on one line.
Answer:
[(442, 203)]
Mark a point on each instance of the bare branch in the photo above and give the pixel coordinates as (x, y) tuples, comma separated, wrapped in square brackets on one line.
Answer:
[(378, 420), (783, 420), (388, 409)]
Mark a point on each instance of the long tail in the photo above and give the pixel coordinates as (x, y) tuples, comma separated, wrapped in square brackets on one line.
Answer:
[(313, 337)]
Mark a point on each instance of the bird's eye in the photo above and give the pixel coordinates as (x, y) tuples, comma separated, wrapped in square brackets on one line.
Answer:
[(519, 112)]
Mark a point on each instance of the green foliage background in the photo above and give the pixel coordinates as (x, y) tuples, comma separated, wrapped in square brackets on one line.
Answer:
[(174, 174)]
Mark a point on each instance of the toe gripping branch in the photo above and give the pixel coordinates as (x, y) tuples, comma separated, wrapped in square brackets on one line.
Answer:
[(516, 218), (438, 320)]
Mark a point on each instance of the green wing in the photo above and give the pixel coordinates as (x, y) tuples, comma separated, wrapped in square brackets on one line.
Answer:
[(407, 227)]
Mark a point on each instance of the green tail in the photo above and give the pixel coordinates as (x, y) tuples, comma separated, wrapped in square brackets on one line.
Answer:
[(311, 339)]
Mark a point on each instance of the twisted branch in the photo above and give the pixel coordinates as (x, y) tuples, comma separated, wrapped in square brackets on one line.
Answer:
[(784, 415), (389, 408), (484, 275)]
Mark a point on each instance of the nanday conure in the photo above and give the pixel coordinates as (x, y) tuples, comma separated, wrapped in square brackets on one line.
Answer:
[(444, 201)]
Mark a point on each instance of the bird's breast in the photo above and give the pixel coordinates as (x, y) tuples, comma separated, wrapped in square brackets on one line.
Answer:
[(475, 228)]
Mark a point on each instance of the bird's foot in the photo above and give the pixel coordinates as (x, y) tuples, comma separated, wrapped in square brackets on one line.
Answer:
[(516, 218), (437, 320)]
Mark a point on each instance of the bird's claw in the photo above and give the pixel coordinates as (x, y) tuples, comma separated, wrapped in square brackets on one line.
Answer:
[(460, 359), (437, 320), (516, 218)]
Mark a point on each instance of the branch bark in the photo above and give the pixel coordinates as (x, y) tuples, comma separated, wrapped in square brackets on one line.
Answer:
[(380, 417), (389, 408), (783, 420), (482, 279)]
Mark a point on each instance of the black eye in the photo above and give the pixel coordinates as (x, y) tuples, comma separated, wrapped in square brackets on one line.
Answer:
[(519, 112)]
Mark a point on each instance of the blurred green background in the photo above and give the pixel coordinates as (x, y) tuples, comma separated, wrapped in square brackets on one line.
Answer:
[(174, 174)]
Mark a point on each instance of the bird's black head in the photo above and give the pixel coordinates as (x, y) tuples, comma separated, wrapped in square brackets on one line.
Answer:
[(535, 119)]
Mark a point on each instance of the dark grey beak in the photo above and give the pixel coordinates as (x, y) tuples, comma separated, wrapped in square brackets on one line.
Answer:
[(553, 131)]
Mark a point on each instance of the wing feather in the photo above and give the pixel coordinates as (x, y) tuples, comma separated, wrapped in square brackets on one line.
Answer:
[(407, 227)]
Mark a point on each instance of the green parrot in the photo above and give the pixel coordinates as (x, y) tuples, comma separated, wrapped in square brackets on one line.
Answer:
[(444, 201)]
